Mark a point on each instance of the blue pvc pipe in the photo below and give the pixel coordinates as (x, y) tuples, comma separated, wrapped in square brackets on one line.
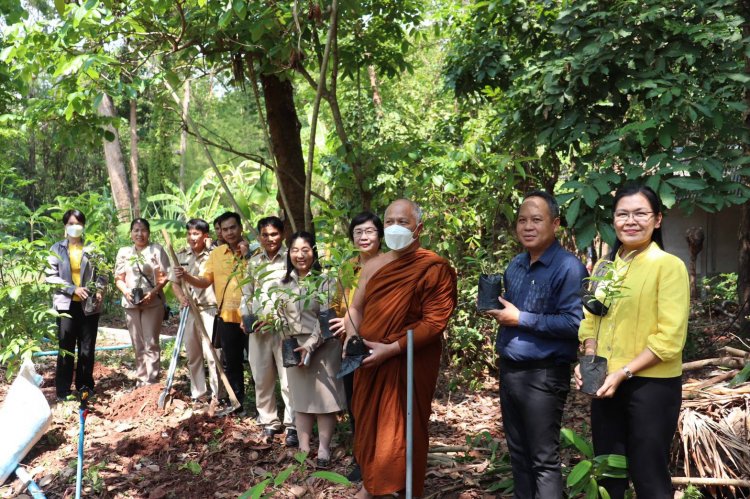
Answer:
[(30, 484), (79, 471), (49, 353)]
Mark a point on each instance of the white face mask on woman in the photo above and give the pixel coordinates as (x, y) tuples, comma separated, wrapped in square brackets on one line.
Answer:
[(398, 237), (74, 230)]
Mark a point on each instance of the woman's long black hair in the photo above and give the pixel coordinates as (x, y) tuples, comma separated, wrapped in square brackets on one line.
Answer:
[(309, 239), (653, 200)]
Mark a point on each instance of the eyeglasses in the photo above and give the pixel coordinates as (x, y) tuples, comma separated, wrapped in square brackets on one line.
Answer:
[(358, 233), (638, 216)]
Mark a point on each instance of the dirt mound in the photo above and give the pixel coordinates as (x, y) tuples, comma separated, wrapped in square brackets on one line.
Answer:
[(101, 371), (140, 403)]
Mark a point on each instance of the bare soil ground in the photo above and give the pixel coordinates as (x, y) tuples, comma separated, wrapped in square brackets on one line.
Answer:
[(133, 449)]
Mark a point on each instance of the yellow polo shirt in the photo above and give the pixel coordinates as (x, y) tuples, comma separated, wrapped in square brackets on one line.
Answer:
[(227, 271), (653, 314)]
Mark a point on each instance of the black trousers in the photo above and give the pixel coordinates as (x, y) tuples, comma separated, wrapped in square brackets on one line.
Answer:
[(233, 342), (532, 398), (76, 332), (639, 422)]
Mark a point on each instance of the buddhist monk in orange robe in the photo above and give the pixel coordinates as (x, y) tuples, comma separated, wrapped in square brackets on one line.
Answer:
[(406, 288)]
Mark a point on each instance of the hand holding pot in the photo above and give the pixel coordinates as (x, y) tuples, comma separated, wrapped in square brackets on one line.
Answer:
[(379, 352), (611, 383), (506, 316), (577, 376), (337, 326), (81, 293), (304, 354)]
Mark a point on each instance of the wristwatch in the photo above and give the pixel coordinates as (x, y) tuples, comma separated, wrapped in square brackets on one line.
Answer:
[(628, 372)]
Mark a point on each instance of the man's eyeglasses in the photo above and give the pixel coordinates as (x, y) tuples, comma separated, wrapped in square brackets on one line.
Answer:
[(638, 216), (358, 233)]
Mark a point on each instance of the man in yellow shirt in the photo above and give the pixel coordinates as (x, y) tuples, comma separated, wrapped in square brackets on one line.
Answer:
[(224, 270)]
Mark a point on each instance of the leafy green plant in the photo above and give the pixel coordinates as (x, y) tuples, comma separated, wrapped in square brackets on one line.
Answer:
[(584, 477), (26, 316), (272, 484), (499, 466), (719, 289), (192, 466)]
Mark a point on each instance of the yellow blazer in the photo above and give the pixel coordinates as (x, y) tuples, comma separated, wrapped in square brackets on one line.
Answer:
[(653, 314)]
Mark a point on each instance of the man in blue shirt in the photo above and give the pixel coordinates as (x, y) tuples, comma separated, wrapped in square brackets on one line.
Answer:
[(537, 342)]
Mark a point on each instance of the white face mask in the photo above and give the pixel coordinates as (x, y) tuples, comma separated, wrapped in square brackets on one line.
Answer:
[(398, 237), (74, 230)]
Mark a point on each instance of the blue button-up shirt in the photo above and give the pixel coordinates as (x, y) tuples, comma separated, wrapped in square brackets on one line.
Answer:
[(548, 294)]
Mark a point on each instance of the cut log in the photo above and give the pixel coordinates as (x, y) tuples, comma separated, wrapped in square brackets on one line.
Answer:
[(736, 352), (716, 482), (730, 362)]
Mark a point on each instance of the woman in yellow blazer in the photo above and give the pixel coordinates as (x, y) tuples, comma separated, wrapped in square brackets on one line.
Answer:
[(642, 335)]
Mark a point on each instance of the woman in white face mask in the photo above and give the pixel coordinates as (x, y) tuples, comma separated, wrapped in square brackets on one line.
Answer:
[(70, 268)]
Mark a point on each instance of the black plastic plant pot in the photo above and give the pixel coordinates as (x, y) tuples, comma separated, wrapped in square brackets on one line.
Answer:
[(356, 346), (289, 357), (593, 373), (248, 321), (325, 326), (91, 303), (137, 294), (490, 289), (594, 306)]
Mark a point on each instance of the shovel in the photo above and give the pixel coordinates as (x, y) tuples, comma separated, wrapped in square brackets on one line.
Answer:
[(175, 354)]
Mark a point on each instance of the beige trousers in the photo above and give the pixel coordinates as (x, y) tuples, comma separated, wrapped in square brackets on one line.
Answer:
[(264, 356), (197, 348), (144, 326)]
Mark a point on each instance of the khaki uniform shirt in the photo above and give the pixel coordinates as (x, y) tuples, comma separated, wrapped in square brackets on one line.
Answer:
[(265, 274), (144, 274), (194, 265)]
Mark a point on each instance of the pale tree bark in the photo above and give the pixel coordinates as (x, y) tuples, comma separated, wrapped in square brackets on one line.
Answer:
[(134, 185), (184, 135), (377, 100), (115, 163)]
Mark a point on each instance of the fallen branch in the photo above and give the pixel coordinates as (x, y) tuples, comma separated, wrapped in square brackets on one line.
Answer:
[(736, 352), (730, 362), (720, 482), (691, 387), (444, 449)]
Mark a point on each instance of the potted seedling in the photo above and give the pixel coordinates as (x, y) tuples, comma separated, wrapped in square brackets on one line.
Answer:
[(137, 293), (98, 285), (600, 292), (490, 286)]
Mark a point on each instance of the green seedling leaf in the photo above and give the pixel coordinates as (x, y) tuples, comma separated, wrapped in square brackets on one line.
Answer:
[(741, 376), (256, 491), (580, 472), (332, 477)]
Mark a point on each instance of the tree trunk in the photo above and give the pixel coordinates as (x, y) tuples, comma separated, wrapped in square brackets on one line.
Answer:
[(284, 127), (115, 163), (694, 237), (184, 135), (136, 191)]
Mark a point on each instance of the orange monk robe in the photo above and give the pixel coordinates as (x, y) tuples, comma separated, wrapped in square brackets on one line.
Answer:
[(418, 292)]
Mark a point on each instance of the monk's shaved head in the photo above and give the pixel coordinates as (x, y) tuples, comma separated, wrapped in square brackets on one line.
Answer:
[(408, 204)]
